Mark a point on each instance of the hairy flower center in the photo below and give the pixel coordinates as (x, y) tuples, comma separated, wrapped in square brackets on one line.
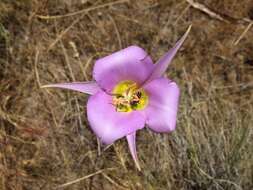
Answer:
[(128, 97)]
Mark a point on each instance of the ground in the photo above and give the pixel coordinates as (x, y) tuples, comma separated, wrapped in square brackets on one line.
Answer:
[(45, 139)]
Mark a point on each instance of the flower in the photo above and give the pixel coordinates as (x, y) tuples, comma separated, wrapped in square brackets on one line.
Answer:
[(128, 92)]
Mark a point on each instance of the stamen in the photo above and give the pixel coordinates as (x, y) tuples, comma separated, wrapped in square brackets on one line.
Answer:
[(127, 97)]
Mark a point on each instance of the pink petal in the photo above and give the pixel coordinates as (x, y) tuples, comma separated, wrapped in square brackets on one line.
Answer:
[(131, 63), (162, 109), (163, 63), (108, 124), (131, 139), (84, 87)]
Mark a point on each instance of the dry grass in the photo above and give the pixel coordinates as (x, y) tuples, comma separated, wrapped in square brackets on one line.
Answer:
[(45, 140)]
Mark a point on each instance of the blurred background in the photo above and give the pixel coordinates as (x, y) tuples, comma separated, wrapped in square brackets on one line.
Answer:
[(45, 139)]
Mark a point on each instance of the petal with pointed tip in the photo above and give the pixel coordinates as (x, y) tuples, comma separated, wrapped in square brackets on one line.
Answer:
[(131, 139), (131, 63), (84, 87), (108, 124), (163, 63), (161, 111)]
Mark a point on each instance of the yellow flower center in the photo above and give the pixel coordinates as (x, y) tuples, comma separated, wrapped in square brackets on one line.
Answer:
[(128, 97)]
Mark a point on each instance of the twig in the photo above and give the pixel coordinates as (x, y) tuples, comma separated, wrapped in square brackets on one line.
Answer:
[(113, 182), (48, 17), (99, 146), (220, 17), (244, 33), (36, 68), (82, 178), (206, 10)]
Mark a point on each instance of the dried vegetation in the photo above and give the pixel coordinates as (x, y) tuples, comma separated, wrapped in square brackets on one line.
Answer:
[(45, 140)]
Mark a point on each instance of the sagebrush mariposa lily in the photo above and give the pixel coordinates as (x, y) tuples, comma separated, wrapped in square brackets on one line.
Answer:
[(128, 92)]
